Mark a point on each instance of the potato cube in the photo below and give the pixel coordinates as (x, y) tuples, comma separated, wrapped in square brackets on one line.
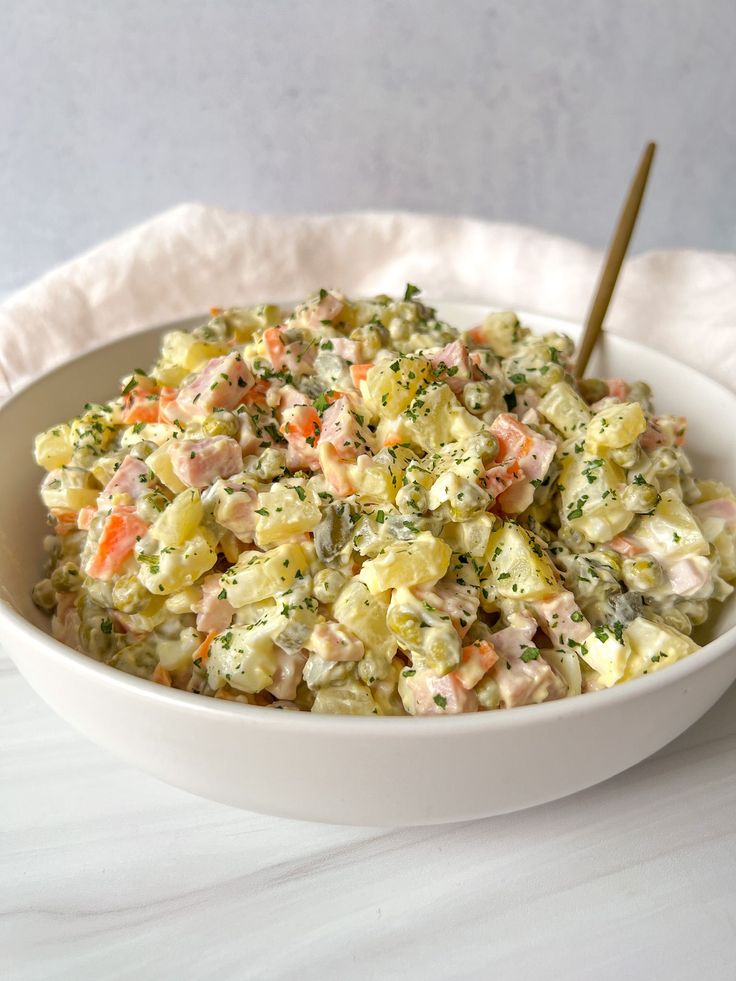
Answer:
[(407, 563)]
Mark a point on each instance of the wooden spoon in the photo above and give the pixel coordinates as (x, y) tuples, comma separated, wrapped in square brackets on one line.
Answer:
[(614, 258)]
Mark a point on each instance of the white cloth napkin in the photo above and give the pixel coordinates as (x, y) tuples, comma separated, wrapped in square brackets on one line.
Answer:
[(194, 257)]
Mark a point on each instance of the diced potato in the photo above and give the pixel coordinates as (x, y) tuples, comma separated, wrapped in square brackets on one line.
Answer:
[(174, 567), (519, 567), (566, 663), (377, 481), (470, 537), (565, 409), (94, 430), (501, 332), (180, 520), (182, 348), (283, 513), (591, 490), (407, 563), (244, 657), (671, 531), (69, 488), (160, 463), (349, 699), (391, 384), (154, 432), (365, 615), (435, 418), (425, 631), (260, 575), (177, 654), (606, 655), (654, 646), (185, 601), (54, 448), (616, 426)]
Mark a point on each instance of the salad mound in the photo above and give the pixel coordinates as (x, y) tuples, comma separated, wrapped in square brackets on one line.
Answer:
[(357, 508)]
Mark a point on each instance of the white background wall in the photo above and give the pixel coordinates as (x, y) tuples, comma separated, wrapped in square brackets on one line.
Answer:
[(532, 111)]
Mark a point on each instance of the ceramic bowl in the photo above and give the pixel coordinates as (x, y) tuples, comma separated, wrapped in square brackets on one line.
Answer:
[(354, 770)]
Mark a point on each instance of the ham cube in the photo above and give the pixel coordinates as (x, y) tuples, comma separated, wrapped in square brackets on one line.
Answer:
[(220, 384), (131, 478), (199, 462), (343, 427), (213, 611), (452, 365)]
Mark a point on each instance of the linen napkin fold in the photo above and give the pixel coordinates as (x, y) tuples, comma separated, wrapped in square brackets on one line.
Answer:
[(192, 257)]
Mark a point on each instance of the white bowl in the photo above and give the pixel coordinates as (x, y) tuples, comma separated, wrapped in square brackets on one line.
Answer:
[(353, 770)]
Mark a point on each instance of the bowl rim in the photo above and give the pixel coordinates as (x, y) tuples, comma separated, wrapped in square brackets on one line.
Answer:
[(23, 630)]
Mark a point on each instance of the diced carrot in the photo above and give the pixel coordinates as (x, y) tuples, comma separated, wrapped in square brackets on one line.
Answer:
[(391, 439), (65, 520), (215, 311), (202, 652), (256, 394), (476, 335), (120, 532), (303, 421), (358, 372), (161, 676), (275, 346), (139, 406), (482, 650)]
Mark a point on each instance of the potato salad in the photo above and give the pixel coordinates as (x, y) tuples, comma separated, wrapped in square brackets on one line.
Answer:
[(356, 508)]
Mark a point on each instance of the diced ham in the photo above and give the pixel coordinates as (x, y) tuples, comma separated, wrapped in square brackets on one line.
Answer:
[(617, 388), (425, 694), (259, 428), (458, 602), (287, 675), (721, 507), (131, 478), (213, 613), (688, 576), (534, 454), (325, 307), (510, 641), (346, 349), (235, 508), (716, 515), (626, 545), (452, 365), (221, 384), (526, 682), (334, 642), (85, 518), (341, 426), (291, 349), (664, 431), (199, 462), (501, 476), (560, 618)]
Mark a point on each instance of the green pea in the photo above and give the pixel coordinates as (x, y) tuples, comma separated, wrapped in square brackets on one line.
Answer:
[(44, 596), (66, 578)]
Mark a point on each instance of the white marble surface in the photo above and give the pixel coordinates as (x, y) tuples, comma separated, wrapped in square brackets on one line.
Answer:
[(107, 873)]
